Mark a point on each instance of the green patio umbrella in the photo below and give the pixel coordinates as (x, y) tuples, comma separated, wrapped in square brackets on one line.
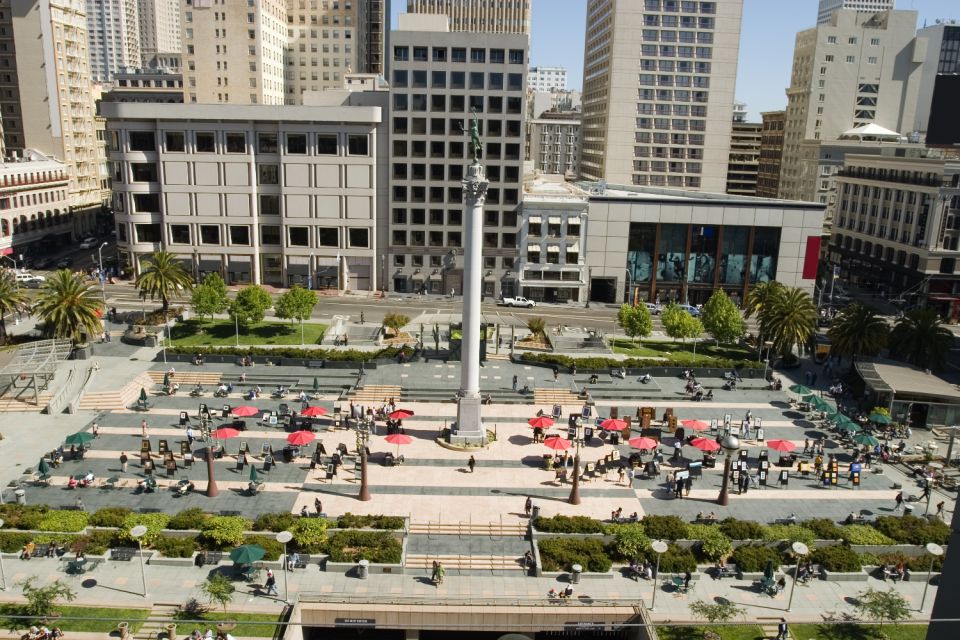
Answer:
[(866, 438), (247, 554), (43, 468), (316, 385), (80, 437), (253, 474), (166, 379), (799, 389), (820, 404), (852, 427), (879, 418)]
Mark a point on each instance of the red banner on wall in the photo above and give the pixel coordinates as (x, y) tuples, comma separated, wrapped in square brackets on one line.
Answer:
[(811, 258)]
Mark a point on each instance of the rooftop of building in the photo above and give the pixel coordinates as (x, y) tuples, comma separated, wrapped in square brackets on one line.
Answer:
[(558, 117), (604, 191), (229, 112), (550, 187), (30, 160)]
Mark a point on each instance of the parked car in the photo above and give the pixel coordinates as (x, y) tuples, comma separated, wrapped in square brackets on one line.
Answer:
[(518, 301), (89, 243), (654, 309), (689, 308), (35, 282), (64, 263), (26, 276)]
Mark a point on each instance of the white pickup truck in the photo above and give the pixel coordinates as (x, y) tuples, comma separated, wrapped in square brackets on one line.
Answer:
[(518, 302)]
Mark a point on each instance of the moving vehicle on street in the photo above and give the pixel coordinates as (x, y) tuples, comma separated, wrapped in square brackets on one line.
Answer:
[(518, 301)]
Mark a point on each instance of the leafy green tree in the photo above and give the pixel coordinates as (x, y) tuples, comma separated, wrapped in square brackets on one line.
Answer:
[(717, 613), (788, 319), (210, 297), (42, 600), (218, 589), (630, 541), (395, 322), (721, 318), (68, 307), (921, 339), (296, 304), (163, 276), (635, 320), (858, 330), (250, 305), (878, 606), (13, 299), (679, 324)]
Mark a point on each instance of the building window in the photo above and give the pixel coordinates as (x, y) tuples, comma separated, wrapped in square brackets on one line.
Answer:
[(236, 142), (358, 238), (270, 234), (268, 173), (144, 171), (269, 205), (143, 141), (148, 233), (146, 202), (180, 234), (296, 143), (174, 142), (327, 144), (267, 143), (298, 236), (209, 234), (240, 235), (328, 237), (358, 145)]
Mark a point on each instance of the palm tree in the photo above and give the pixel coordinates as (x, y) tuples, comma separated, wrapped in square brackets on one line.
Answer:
[(68, 307), (920, 338), (759, 298), (162, 276), (12, 300), (858, 330), (789, 318)]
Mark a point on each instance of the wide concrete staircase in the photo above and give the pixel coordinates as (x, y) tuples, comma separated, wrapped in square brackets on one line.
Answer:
[(25, 402), (467, 548), (549, 396), (191, 378), (116, 399), (375, 393), (462, 563), (469, 529)]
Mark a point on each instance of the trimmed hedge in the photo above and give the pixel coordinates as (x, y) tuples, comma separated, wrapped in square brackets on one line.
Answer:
[(221, 532), (741, 529), (109, 517), (587, 364), (333, 355), (824, 528), (560, 554), (275, 522), (751, 557), (913, 563), (664, 527), (19, 516), (68, 521), (864, 534), (913, 530), (175, 547), (188, 519), (674, 560), (838, 557), (13, 541), (789, 532), (376, 546), (351, 521), (569, 524), (154, 522)]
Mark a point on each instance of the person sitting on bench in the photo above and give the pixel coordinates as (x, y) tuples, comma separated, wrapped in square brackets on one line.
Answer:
[(645, 378), (594, 378)]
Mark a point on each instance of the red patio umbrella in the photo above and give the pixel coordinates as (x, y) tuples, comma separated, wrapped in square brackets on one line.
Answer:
[(781, 445), (705, 444), (696, 425), (244, 411), (313, 412), (224, 433), (613, 424), (398, 439), (400, 414), (642, 443), (540, 422), (300, 438), (557, 443)]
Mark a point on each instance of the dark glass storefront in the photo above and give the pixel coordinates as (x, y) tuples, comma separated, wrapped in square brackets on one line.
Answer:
[(687, 262)]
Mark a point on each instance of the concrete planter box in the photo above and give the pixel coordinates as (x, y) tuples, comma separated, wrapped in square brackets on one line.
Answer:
[(586, 575), (837, 576), (350, 568), (161, 561), (909, 550)]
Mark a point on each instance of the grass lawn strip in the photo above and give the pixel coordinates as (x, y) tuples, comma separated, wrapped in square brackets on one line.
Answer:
[(839, 631), (679, 351), (194, 333), (99, 619), (249, 625)]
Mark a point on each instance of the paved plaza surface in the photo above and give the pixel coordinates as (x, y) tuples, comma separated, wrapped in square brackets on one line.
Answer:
[(434, 484)]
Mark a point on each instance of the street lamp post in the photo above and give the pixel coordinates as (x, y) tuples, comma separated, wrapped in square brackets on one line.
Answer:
[(283, 538), (575, 489), (383, 276), (310, 271), (629, 292), (363, 436), (935, 552), (660, 547), (730, 443), (3, 575), (236, 327), (137, 533), (103, 280), (801, 550)]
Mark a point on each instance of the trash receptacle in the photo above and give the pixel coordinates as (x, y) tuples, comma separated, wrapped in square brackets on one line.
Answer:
[(171, 629), (907, 508), (575, 574), (363, 569), (534, 512), (21, 496)]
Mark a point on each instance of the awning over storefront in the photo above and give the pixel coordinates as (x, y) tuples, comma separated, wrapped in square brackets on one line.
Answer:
[(905, 381)]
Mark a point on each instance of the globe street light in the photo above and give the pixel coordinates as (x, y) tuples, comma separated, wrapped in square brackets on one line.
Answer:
[(137, 533), (283, 538), (935, 552), (3, 575), (730, 443), (659, 546), (801, 550)]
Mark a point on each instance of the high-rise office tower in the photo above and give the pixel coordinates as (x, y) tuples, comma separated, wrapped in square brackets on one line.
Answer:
[(159, 28), (234, 52), (491, 16), (547, 79), (113, 27), (939, 91), (853, 71), (322, 45), (438, 78), (658, 80), (373, 35), (827, 7), (744, 163), (771, 153), (52, 112)]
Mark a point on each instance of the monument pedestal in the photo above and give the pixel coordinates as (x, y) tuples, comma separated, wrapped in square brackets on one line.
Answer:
[(468, 429)]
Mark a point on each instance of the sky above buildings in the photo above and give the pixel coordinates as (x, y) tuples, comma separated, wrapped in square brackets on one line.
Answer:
[(766, 41)]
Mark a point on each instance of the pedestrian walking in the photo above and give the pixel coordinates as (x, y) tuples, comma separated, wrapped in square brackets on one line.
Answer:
[(95, 428), (123, 462), (939, 513), (271, 584), (189, 436), (677, 449), (471, 463), (926, 490), (687, 486), (679, 488), (361, 317), (620, 475), (783, 632), (528, 506), (806, 446), (630, 475), (143, 428), (80, 506), (515, 379), (556, 374), (318, 506), (899, 500)]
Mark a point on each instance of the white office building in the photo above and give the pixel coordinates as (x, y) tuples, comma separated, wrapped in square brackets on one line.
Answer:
[(547, 79), (827, 7), (113, 28)]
